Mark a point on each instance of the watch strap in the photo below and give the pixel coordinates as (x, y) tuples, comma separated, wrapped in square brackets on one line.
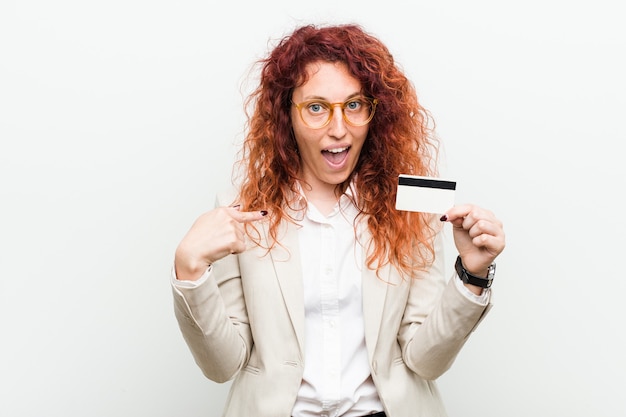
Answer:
[(468, 278)]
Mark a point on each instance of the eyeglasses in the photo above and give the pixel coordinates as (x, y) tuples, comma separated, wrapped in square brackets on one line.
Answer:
[(358, 111)]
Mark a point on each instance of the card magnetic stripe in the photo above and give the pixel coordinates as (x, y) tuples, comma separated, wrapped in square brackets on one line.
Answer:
[(428, 183)]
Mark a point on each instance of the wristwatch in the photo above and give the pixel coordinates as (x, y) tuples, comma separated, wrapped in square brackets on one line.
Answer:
[(468, 278)]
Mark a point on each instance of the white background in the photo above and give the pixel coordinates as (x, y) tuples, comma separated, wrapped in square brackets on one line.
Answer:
[(119, 120)]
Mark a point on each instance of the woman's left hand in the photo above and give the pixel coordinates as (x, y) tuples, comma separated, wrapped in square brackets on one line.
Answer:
[(478, 236)]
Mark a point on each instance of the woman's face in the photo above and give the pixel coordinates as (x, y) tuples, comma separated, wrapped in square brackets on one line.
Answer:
[(329, 154)]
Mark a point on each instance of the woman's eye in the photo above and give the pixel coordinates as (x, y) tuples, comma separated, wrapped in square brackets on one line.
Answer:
[(353, 105), (316, 107)]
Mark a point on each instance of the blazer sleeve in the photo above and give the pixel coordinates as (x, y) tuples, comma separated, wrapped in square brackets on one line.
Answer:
[(214, 322), (437, 321)]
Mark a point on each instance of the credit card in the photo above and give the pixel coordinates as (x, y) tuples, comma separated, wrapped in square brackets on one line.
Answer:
[(424, 194)]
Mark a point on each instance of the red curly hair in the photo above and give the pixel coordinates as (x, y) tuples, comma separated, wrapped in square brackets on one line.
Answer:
[(399, 141)]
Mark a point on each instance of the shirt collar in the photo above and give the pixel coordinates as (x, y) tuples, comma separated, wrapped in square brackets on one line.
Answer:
[(344, 205)]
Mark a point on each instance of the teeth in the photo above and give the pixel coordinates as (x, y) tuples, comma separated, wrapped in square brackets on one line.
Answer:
[(338, 150)]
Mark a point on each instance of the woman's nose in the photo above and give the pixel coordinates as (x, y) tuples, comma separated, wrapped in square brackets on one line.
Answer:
[(337, 125)]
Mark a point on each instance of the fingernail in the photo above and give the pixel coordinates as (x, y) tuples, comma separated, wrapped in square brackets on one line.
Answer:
[(443, 218), (263, 212)]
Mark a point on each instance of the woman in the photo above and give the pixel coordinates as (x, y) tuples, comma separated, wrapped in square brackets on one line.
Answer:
[(305, 285)]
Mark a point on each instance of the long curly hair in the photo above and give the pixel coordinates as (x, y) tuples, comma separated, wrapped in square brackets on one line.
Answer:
[(400, 141)]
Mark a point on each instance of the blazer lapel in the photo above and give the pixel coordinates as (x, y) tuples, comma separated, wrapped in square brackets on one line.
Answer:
[(286, 259), (374, 288)]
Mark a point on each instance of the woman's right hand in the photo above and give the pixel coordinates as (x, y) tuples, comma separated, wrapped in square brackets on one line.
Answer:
[(214, 235)]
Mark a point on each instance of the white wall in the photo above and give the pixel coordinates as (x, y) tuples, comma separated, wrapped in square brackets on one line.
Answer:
[(117, 125)]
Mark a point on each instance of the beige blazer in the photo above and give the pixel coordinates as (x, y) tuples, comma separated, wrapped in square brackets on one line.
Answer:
[(247, 322)]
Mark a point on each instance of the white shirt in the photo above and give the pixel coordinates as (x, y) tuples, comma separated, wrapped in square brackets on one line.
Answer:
[(336, 380)]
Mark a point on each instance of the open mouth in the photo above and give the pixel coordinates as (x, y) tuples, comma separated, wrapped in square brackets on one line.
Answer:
[(336, 156)]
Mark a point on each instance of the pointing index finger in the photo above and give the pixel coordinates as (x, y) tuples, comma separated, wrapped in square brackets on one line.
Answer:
[(247, 216)]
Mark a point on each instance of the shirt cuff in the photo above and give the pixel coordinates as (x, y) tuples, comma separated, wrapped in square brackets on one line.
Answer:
[(482, 299), (190, 284)]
